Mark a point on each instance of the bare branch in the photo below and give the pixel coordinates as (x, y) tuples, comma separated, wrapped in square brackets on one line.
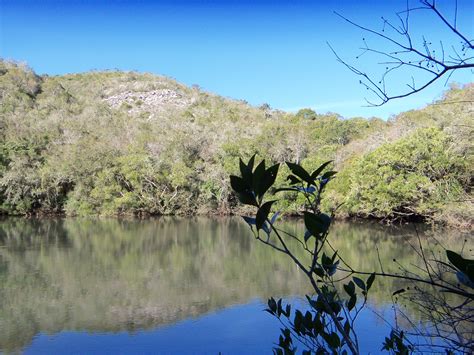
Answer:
[(421, 58), (432, 6)]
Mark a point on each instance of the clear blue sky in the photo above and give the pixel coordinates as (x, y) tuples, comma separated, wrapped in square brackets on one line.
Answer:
[(261, 51)]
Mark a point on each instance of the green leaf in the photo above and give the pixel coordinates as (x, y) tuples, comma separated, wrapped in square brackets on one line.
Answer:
[(246, 170), (326, 260), (397, 292), (328, 174), (319, 170), (317, 325), (466, 266), (370, 281), (298, 320), (317, 225), (350, 288), (258, 177), (352, 302), (308, 320), (238, 184), (332, 339), (318, 271), (268, 179), (262, 214), (299, 171), (246, 173), (247, 198), (347, 327), (251, 161), (293, 179), (336, 307), (359, 283), (279, 309), (272, 305)]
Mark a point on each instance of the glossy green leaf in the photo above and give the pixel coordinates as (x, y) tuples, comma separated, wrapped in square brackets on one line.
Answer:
[(258, 177), (272, 305), (397, 292), (332, 339), (238, 184), (347, 327), (360, 283), (293, 179), (466, 266), (352, 302), (328, 174), (268, 179), (299, 171), (247, 198), (317, 225), (350, 288), (319, 170), (262, 214), (319, 271), (246, 170), (370, 281)]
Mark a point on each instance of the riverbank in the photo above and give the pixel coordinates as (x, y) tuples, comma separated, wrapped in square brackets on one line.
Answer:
[(123, 143), (464, 227)]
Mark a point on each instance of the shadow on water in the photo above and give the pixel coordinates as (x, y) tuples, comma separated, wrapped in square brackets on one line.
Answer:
[(128, 275)]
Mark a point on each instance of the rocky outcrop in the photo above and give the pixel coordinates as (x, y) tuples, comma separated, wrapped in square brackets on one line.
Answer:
[(151, 101)]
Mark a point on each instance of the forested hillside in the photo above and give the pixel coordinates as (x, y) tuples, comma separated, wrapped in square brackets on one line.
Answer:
[(114, 143)]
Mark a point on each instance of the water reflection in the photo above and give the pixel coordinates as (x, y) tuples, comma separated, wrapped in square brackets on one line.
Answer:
[(129, 275)]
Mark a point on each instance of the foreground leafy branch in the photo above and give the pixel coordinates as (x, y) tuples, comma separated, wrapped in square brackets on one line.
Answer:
[(328, 324)]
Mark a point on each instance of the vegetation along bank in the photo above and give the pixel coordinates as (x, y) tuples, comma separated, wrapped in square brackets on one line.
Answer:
[(123, 143)]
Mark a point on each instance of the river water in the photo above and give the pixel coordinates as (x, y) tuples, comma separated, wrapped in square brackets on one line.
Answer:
[(171, 285)]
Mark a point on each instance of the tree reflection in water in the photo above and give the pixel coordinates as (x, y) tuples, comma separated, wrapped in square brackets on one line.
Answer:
[(126, 275)]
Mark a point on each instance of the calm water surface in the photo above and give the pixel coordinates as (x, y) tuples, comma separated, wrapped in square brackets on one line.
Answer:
[(168, 285)]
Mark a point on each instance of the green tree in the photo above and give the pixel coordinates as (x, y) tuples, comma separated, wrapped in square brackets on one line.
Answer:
[(307, 114), (414, 176)]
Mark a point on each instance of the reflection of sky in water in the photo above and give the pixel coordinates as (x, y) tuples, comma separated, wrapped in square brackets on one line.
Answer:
[(234, 330)]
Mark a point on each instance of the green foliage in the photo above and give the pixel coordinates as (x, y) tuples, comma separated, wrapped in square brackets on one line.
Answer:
[(26, 185), (320, 328), (69, 144), (395, 344), (327, 325), (414, 176), (307, 114), (465, 268)]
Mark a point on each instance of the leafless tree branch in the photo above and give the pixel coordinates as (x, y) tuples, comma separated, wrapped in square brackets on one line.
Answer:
[(418, 58)]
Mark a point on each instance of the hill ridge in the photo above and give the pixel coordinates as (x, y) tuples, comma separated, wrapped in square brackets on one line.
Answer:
[(137, 143)]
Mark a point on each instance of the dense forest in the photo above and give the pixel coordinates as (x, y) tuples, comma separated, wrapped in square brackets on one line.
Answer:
[(124, 143)]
